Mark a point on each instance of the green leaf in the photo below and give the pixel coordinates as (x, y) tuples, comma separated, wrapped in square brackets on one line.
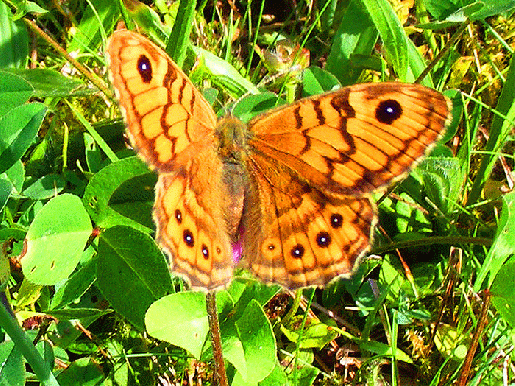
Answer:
[(12, 372), (316, 81), (18, 129), (185, 324), (252, 105), (76, 285), (248, 343), (89, 34), (83, 371), (131, 272), (14, 40), (356, 36), (179, 38), (46, 187), (222, 74), (384, 350), (15, 175), (443, 179), (502, 292), (491, 8), (503, 245), (50, 83), (316, 335), (276, 377), (392, 34), (14, 91), (122, 194), (56, 240), (5, 192)]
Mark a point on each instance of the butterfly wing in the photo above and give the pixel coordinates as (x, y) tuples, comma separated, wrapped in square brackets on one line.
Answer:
[(313, 166), (297, 236), (165, 114), (172, 127), (191, 224), (356, 139)]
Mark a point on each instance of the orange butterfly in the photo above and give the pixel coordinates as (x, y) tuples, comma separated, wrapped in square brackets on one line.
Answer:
[(294, 183)]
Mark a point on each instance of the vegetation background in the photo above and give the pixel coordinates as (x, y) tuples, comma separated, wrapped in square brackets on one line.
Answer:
[(87, 296)]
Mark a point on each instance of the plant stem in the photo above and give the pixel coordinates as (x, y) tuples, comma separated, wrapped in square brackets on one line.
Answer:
[(216, 340)]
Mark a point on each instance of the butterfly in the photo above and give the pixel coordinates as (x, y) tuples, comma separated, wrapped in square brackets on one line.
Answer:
[(293, 185)]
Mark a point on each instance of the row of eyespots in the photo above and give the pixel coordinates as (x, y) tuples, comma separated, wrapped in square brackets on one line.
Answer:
[(323, 238), (189, 239)]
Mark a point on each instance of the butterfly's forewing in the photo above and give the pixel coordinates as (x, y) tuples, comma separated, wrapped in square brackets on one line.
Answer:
[(356, 139), (165, 113), (172, 127)]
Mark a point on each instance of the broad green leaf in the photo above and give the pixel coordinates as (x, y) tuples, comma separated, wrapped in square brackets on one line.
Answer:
[(276, 377), (50, 83), (131, 272), (14, 91), (12, 372), (356, 37), (222, 74), (252, 105), (83, 371), (75, 286), (56, 240), (303, 376), (45, 187), (258, 342), (180, 319), (18, 129), (315, 335), (122, 194), (6, 189), (14, 40), (15, 175), (317, 81)]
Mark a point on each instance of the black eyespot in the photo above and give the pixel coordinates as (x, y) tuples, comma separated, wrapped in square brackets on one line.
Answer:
[(178, 216), (271, 247), (205, 252), (323, 239), (297, 251), (336, 220), (218, 250), (145, 69), (187, 236), (388, 111)]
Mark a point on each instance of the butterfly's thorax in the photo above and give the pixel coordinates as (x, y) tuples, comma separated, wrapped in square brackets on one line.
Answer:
[(230, 133)]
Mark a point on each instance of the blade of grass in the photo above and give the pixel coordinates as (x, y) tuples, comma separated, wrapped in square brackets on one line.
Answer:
[(91, 130), (392, 34), (498, 132), (179, 38)]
